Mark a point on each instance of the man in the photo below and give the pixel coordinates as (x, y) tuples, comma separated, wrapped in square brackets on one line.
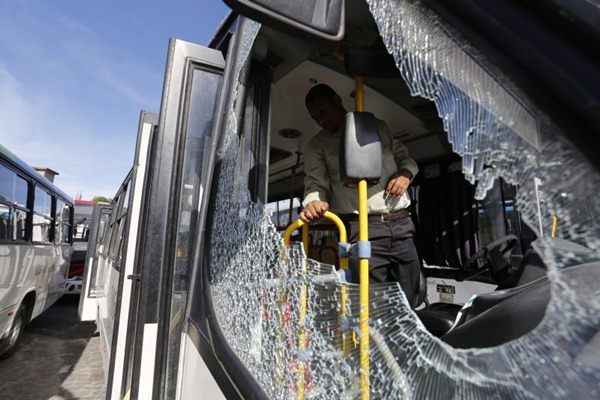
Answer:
[(394, 256)]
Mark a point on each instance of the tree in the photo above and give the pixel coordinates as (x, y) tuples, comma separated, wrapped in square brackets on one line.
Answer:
[(97, 199)]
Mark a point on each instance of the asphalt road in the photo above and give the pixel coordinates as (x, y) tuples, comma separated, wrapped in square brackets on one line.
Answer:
[(58, 358)]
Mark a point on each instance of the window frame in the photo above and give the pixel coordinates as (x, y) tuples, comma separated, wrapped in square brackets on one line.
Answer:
[(52, 218), (118, 225), (28, 227), (14, 206), (10, 222), (58, 238)]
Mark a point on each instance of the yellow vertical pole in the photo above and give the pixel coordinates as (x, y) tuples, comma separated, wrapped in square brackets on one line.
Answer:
[(287, 237), (302, 340), (359, 94), (554, 225), (300, 392), (343, 239), (363, 236), (344, 294)]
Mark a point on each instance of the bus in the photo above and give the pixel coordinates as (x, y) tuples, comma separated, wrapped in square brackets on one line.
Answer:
[(36, 220), (201, 295)]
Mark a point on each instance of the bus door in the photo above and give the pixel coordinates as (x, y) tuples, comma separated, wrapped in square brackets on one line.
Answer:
[(192, 84), (87, 300), (127, 295)]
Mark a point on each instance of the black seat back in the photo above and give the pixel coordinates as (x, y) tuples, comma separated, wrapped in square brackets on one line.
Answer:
[(502, 316)]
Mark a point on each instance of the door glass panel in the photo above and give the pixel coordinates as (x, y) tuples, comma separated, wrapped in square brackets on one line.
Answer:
[(96, 283), (203, 94)]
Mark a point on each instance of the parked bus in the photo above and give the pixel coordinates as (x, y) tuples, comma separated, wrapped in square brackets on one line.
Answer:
[(35, 246), (201, 298)]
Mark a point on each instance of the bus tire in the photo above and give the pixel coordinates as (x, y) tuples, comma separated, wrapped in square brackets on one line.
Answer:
[(11, 342)]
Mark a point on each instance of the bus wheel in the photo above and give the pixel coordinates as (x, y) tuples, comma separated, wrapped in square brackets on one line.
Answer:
[(15, 333)]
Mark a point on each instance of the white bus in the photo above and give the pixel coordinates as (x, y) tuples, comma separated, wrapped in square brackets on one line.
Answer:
[(201, 299), (35, 246)]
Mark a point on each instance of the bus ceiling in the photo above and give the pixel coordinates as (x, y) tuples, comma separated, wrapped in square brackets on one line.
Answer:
[(299, 63)]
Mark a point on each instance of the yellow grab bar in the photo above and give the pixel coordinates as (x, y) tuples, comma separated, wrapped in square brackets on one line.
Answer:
[(343, 239), (287, 236)]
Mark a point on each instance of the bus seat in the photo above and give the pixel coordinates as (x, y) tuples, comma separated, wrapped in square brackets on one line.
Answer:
[(499, 317), (421, 295), (439, 316), (533, 267)]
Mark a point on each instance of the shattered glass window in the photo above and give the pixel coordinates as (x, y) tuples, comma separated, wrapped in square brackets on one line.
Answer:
[(293, 322)]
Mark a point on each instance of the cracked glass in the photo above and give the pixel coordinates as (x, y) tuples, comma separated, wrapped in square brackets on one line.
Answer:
[(260, 288)]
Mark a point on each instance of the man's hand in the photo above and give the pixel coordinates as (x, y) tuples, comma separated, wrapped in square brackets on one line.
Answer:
[(399, 183), (314, 210)]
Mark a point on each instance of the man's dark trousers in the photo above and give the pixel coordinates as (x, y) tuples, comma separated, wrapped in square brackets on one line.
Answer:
[(394, 256)]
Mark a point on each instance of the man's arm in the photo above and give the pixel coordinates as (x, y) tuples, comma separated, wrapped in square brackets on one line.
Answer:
[(316, 182)]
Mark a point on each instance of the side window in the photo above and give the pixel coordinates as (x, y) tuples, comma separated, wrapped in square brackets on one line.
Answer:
[(283, 212), (62, 224), (116, 238), (6, 221), (21, 191), (81, 223), (20, 224), (118, 226), (42, 216), (103, 227), (103, 230), (14, 210), (7, 184), (58, 221)]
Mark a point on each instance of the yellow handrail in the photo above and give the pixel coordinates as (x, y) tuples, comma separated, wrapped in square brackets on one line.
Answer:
[(287, 236), (343, 239)]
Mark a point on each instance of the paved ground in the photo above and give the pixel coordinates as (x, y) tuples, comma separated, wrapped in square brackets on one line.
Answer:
[(59, 358)]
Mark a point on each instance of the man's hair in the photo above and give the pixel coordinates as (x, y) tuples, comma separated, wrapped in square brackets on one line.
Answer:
[(321, 91)]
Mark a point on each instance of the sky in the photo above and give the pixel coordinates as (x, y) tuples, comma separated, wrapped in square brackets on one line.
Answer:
[(75, 74)]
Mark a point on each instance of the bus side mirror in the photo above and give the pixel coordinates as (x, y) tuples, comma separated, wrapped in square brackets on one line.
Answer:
[(361, 150), (321, 18)]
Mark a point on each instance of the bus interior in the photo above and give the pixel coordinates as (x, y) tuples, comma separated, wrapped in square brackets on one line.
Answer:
[(467, 246)]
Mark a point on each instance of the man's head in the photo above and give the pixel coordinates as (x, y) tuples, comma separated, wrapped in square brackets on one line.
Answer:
[(325, 107)]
